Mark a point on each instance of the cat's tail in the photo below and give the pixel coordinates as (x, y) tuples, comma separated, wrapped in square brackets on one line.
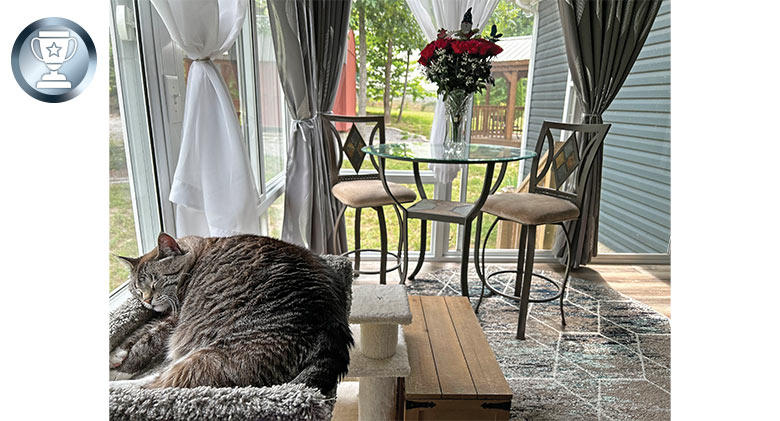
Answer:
[(329, 361)]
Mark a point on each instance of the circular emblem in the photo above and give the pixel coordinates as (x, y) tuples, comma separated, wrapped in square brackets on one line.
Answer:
[(53, 59)]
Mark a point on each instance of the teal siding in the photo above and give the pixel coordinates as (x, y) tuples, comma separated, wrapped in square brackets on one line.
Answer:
[(635, 202)]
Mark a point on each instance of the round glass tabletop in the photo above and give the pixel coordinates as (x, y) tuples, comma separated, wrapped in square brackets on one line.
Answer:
[(427, 152)]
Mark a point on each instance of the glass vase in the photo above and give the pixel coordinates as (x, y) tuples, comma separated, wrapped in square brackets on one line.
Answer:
[(457, 103)]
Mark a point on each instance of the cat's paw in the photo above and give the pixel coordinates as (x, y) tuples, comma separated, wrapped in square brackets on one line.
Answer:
[(117, 358)]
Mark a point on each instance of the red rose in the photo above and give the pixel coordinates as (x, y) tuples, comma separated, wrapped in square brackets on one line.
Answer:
[(442, 43), (494, 49), (426, 54), (483, 48), (473, 47), (458, 47)]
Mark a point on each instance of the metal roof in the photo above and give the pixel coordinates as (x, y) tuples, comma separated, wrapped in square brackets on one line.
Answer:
[(515, 48)]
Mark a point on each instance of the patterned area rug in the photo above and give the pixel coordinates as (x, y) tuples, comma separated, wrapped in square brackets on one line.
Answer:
[(610, 362)]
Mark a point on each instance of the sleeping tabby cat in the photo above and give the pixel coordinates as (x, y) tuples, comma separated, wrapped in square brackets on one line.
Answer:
[(237, 311)]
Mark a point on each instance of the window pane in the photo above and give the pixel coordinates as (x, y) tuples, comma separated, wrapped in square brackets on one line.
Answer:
[(275, 218), (133, 205), (272, 107), (498, 114), (122, 233)]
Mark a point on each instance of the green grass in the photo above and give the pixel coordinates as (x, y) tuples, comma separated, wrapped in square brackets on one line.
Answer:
[(122, 239), (413, 121)]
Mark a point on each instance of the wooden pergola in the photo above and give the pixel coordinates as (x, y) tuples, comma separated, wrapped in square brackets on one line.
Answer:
[(503, 124)]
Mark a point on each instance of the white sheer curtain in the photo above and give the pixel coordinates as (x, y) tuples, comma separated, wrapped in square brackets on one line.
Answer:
[(213, 187), (432, 15)]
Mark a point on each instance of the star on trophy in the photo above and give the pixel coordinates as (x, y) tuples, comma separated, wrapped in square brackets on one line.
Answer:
[(53, 46)]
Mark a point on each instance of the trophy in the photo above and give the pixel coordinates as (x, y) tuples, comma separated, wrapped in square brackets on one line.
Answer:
[(53, 46)]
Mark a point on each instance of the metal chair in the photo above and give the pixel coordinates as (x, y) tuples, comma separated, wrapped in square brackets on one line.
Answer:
[(542, 206), (365, 190)]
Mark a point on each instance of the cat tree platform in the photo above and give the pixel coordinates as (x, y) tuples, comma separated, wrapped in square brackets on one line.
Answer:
[(380, 355)]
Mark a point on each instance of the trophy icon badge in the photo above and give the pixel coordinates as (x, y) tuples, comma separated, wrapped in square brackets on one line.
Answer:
[(53, 47)]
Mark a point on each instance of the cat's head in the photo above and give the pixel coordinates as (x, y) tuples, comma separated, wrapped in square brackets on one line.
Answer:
[(155, 276)]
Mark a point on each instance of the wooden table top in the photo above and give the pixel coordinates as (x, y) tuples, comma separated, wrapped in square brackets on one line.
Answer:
[(449, 355)]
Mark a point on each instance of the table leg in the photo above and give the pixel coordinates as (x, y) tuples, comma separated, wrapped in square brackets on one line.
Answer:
[(423, 222), (405, 233), (465, 240), (423, 243)]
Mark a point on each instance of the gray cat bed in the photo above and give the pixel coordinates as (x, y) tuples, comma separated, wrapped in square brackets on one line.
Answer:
[(288, 401)]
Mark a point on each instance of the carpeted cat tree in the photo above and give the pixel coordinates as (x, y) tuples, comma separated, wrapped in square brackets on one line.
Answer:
[(380, 356), (282, 402)]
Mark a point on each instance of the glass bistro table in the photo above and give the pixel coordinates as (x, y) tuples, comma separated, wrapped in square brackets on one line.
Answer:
[(462, 213)]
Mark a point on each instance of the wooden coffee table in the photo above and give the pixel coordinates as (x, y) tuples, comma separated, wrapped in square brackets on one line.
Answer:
[(454, 373)]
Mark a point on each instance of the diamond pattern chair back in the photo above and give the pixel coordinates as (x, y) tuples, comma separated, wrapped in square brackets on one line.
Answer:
[(578, 153), (351, 146)]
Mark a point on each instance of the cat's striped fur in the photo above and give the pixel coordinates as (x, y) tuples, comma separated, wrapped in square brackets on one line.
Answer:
[(239, 311)]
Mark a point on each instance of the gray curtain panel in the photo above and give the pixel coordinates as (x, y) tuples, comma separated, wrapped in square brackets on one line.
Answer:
[(331, 26), (309, 39), (603, 40)]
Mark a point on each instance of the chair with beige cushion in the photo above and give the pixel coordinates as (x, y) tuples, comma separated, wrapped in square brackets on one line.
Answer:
[(570, 166), (364, 190)]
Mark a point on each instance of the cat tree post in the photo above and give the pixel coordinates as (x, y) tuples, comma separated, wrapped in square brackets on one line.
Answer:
[(379, 356)]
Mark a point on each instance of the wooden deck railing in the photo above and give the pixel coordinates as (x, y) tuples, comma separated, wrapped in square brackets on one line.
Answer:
[(490, 122)]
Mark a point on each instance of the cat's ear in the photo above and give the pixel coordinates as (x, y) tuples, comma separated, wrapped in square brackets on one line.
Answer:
[(167, 246), (132, 262)]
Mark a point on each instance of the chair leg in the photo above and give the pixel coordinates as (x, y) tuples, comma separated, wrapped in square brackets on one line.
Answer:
[(334, 234), (566, 274), (401, 242), (382, 245), (480, 270), (464, 261), (521, 250), (526, 287), (423, 238), (357, 239)]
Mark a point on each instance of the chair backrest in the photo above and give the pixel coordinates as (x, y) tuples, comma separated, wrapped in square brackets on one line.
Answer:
[(578, 153), (351, 146)]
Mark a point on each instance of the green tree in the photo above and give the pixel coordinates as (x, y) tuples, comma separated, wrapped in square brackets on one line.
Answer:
[(392, 35), (360, 6), (510, 19)]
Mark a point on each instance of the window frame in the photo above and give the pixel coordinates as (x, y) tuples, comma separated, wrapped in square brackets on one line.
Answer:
[(137, 140)]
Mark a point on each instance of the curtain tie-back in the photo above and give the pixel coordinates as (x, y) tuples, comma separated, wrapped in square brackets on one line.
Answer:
[(307, 121), (202, 59), (592, 118), (299, 124)]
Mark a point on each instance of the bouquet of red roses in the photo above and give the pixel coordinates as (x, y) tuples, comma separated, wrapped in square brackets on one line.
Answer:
[(460, 60)]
